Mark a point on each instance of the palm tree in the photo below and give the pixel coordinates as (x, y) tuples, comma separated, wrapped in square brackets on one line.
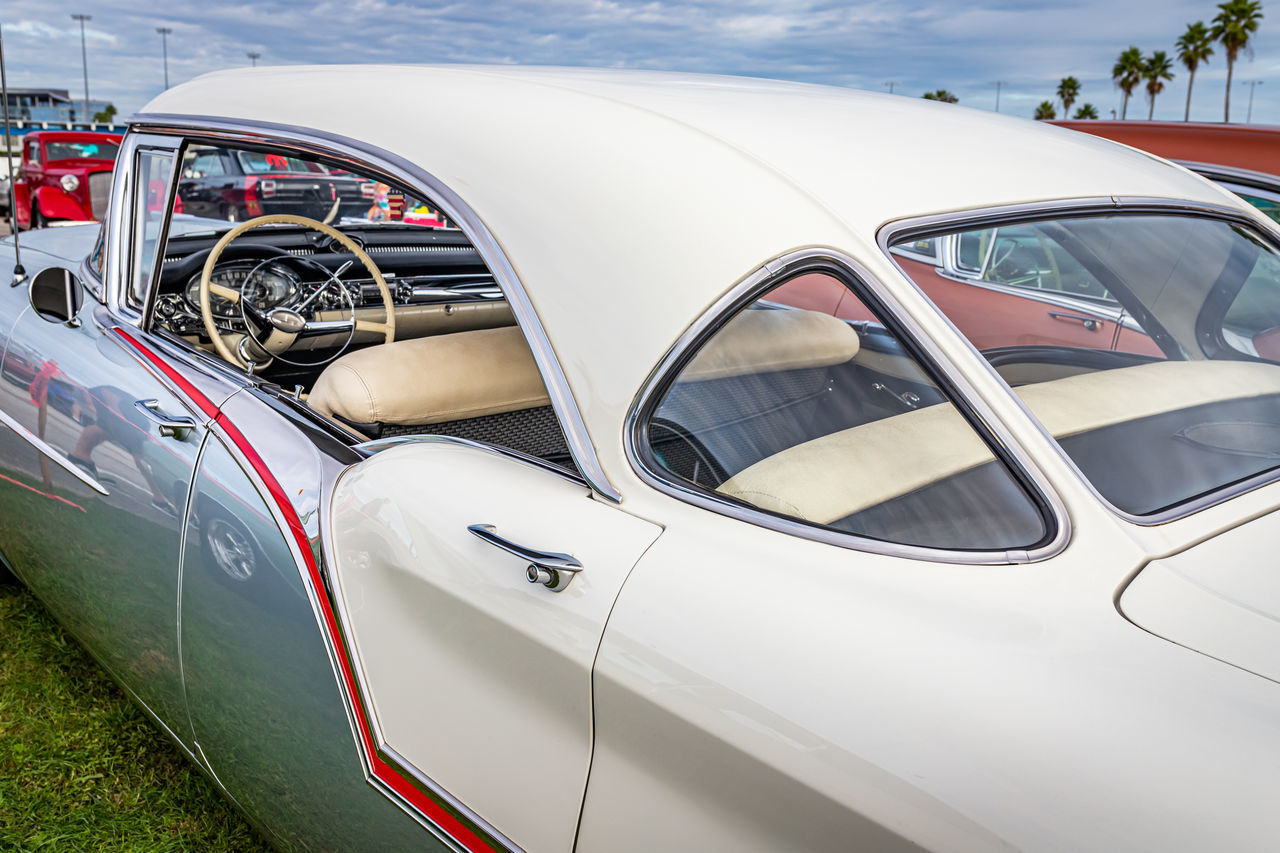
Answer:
[(1195, 47), (1086, 111), (1068, 91), (1235, 22), (941, 95), (1045, 111), (1155, 70), (1127, 73)]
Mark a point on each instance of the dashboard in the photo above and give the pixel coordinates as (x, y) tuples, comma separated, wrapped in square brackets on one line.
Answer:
[(286, 266)]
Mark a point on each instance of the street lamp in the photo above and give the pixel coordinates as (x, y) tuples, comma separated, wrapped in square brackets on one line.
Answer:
[(1252, 84), (164, 42), (253, 57), (84, 61), (998, 84)]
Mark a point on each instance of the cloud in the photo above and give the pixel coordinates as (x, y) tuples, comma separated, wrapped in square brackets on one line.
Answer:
[(43, 30), (920, 44)]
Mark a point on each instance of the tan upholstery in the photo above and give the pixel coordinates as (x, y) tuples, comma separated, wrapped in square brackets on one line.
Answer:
[(432, 380), (768, 340), (834, 476)]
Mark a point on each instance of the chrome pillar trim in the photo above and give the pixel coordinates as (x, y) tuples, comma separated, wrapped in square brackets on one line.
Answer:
[(1005, 450), (52, 452), (370, 158), (182, 564), (981, 217)]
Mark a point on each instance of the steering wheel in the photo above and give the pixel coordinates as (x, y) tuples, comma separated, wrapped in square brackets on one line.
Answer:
[(287, 324)]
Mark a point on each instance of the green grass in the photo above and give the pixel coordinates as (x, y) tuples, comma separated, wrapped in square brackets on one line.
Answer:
[(81, 768)]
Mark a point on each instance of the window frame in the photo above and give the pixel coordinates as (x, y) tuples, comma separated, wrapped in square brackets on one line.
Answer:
[(950, 382), (918, 227), (374, 162)]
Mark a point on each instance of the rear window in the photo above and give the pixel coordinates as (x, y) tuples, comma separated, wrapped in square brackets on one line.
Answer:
[(805, 405), (256, 162)]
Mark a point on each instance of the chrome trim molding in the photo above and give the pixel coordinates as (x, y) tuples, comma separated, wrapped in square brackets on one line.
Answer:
[(369, 448), (939, 223), (745, 292), (52, 452), (370, 158), (407, 771)]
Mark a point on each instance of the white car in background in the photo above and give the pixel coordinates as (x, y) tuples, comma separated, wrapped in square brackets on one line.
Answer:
[(655, 506)]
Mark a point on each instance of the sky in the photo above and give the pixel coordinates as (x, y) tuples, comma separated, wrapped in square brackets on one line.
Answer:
[(916, 44)]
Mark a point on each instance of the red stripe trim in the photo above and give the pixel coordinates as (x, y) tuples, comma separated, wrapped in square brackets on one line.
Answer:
[(383, 771), (202, 402)]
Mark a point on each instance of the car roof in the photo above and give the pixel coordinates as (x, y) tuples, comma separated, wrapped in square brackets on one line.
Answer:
[(628, 201)]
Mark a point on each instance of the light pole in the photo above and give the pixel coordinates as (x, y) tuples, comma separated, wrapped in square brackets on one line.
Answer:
[(890, 84), (164, 43), (998, 84), (84, 61), (253, 57), (1252, 84)]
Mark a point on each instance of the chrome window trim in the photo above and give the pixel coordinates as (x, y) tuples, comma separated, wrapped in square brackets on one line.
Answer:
[(979, 217), (746, 291), (364, 156), (51, 452)]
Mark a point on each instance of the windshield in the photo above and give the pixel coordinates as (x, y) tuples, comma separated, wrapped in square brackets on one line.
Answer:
[(1147, 345), (70, 150)]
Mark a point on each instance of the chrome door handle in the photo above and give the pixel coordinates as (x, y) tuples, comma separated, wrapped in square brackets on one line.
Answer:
[(1090, 323), (549, 568), (170, 426)]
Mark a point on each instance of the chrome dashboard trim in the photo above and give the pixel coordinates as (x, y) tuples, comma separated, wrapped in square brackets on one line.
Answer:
[(750, 288), (938, 223), (337, 148)]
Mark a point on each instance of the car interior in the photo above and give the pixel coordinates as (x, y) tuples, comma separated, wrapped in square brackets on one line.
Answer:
[(303, 305)]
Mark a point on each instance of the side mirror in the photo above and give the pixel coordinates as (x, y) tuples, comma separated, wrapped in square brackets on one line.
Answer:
[(57, 295)]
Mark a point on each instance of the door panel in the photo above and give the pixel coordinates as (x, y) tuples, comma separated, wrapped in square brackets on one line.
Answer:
[(477, 678), (266, 711), (105, 557)]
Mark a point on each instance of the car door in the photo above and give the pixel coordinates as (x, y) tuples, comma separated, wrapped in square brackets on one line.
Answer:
[(109, 462), (477, 680)]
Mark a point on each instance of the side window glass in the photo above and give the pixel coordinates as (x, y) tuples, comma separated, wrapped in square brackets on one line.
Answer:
[(150, 197), (1252, 322), (33, 152), (207, 165), (834, 423)]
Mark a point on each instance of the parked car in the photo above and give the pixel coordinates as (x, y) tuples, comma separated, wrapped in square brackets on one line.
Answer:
[(568, 529), (1243, 158), (236, 185), (65, 176)]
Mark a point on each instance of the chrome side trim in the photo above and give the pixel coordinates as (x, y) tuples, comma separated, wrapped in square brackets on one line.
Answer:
[(940, 223), (985, 420), (342, 647), (363, 156), (53, 453)]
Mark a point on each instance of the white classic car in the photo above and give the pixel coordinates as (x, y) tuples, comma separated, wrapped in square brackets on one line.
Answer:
[(656, 506)]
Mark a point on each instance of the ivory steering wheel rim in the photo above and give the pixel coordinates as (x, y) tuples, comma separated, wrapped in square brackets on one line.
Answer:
[(388, 327)]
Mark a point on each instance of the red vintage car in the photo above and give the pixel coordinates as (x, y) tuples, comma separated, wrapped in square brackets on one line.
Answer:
[(1243, 158), (65, 175)]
